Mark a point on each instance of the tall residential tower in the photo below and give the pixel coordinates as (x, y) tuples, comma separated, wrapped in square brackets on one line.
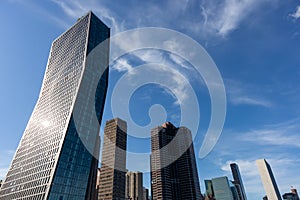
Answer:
[(268, 179), (173, 180), (113, 163), (54, 159)]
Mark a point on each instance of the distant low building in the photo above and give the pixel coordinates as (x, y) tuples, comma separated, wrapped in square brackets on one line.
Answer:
[(290, 196), (293, 195), (220, 188)]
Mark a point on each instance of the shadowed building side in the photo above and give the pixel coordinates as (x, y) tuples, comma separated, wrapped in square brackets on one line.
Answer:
[(178, 180), (237, 181), (268, 179), (113, 164)]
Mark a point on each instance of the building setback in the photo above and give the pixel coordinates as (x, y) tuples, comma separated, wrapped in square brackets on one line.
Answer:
[(237, 181), (268, 179), (113, 164), (52, 161), (178, 180), (134, 185)]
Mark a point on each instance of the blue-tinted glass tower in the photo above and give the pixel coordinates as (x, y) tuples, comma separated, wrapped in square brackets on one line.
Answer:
[(222, 190), (54, 159), (237, 181)]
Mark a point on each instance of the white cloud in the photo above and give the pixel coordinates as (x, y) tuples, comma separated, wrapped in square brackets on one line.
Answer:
[(247, 167), (283, 134), (246, 100), (167, 71), (207, 18), (225, 16), (249, 174), (240, 94), (179, 88), (75, 9), (296, 14), (122, 65)]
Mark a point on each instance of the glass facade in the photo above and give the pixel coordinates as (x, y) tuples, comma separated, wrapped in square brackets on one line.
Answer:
[(222, 188), (209, 188), (237, 181), (52, 160)]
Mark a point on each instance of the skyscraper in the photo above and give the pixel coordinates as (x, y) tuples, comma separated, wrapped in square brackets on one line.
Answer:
[(178, 180), (237, 181), (54, 159), (268, 179), (134, 185), (222, 190), (113, 164)]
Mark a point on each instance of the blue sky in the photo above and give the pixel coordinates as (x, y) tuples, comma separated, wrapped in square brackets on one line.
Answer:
[(254, 43)]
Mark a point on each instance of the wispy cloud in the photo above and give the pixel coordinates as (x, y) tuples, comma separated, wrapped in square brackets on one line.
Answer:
[(201, 19), (75, 9), (122, 65), (283, 134), (296, 14), (169, 68), (247, 100), (241, 94), (225, 16)]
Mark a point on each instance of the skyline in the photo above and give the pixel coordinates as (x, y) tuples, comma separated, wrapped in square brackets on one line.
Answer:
[(262, 94)]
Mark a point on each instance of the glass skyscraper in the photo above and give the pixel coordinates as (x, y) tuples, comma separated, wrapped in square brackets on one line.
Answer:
[(237, 181), (222, 189), (54, 159), (173, 180)]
